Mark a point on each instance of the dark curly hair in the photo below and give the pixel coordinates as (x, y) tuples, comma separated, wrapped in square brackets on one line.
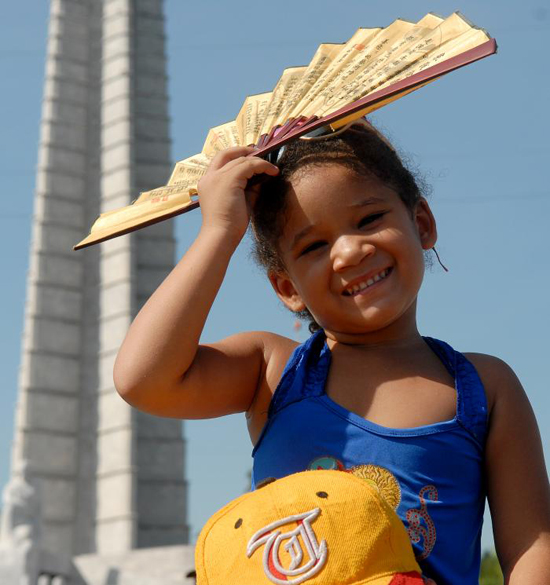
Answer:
[(361, 148)]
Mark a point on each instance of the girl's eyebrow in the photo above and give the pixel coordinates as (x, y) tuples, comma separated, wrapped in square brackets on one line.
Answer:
[(363, 203), (369, 201)]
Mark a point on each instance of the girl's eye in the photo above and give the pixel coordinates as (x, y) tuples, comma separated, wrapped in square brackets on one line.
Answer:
[(371, 218), (313, 246)]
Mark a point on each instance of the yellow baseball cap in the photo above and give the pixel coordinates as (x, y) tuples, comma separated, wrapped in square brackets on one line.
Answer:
[(315, 527)]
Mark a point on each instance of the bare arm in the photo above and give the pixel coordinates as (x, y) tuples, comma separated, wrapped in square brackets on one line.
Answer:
[(160, 367), (517, 481)]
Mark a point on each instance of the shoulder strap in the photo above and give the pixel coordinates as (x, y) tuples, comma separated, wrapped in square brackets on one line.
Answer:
[(471, 400), (304, 374)]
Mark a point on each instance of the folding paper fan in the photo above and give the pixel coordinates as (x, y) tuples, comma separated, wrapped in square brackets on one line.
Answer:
[(341, 83)]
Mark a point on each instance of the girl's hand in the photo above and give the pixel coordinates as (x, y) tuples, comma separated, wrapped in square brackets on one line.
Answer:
[(429, 581), (223, 193)]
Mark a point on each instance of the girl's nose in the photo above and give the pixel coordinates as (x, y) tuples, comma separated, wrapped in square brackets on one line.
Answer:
[(350, 251)]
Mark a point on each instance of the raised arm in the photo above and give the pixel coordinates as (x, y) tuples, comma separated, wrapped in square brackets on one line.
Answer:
[(517, 481), (160, 367)]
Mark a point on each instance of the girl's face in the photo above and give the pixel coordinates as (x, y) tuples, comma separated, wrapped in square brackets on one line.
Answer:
[(353, 252)]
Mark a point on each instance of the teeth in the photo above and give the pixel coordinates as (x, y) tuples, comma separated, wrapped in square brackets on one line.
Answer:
[(363, 285)]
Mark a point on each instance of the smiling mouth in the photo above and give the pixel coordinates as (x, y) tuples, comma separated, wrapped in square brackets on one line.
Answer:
[(361, 286)]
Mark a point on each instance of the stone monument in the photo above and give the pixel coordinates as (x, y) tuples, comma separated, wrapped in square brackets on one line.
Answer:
[(105, 502)]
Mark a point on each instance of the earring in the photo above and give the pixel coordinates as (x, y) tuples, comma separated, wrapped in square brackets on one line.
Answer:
[(439, 260)]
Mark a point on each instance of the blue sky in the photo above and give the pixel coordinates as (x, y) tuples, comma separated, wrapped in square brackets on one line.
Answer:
[(479, 136)]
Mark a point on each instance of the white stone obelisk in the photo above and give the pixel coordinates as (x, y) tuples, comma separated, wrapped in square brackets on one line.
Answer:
[(110, 480)]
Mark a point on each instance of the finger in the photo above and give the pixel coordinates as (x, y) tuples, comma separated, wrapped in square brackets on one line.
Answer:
[(248, 166), (227, 155)]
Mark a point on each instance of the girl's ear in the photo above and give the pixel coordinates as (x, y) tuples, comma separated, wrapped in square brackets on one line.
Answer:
[(425, 223), (285, 290)]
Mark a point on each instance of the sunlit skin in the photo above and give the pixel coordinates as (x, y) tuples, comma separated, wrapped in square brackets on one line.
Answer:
[(340, 230), (343, 229)]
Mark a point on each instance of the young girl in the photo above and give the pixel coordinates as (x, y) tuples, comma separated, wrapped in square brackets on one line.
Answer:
[(342, 229)]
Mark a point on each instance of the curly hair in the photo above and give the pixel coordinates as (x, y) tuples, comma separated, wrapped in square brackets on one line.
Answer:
[(360, 148)]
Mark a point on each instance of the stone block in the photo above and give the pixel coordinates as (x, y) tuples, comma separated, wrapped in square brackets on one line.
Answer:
[(167, 536), (149, 24), (63, 135), (54, 302), (117, 182), (66, 69), (152, 175), (154, 44), (113, 331), (150, 65), (116, 299), (152, 126), (114, 452), (114, 496), (118, 23), (59, 210), (115, 45), (53, 238), (118, 155), (161, 504), (155, 251), (160, 230), (113, 412), (56, 270), (151, 427), (116, 131), (115, 110), (117, 87), (51, 453), (57, 537), (157, 459), (66, 46), (50, 412), (59, 183), (117, 65), (57, 499), (151, 86), (122, 244), (74, 28), (150, 7), (115, 267), (114, 7), (50, 372), (69, 12), (67, 112), (62, 159), (114, 536), (148, 279), (52, 336), (66, 90), (157, 149), (105, 372)]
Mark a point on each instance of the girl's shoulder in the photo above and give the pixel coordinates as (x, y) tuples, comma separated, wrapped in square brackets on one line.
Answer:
[(276, 350), (499, 379)]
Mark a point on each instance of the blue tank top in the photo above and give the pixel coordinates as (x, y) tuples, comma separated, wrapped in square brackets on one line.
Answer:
[(432, 475)]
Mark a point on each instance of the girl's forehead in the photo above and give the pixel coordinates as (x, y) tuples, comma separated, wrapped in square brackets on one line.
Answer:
[(330, 188)]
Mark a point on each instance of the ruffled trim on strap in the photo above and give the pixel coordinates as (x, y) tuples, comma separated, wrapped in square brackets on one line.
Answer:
[(304, 375), (471, 407)]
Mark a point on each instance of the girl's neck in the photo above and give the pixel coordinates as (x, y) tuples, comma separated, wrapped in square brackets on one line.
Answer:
[(400, 334)]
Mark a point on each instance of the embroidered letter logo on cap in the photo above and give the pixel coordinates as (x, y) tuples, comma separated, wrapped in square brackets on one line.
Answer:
[(303, 564)]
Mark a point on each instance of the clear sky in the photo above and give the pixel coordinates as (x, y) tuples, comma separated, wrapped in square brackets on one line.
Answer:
[(479, 136)]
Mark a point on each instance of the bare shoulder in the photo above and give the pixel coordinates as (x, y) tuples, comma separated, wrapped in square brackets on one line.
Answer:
[(499, 379), (273, 348), (277, 350), (514, 466)]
